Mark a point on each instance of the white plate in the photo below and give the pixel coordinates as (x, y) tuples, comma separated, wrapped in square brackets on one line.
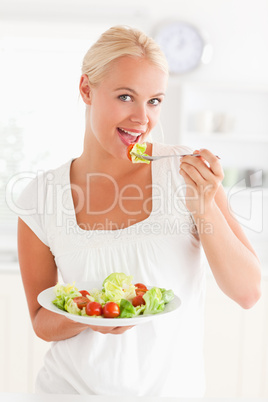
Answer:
[(46, 297)]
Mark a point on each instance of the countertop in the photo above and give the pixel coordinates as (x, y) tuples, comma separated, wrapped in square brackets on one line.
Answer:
[(11, 397)]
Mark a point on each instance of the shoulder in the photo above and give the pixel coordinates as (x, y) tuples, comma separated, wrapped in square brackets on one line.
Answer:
[(36, 185), (169, 166), (170, 149)]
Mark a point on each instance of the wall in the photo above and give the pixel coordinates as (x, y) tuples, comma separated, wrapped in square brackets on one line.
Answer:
[(237, 29)]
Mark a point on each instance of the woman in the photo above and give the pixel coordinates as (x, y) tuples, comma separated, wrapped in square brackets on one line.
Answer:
[(99, 214)]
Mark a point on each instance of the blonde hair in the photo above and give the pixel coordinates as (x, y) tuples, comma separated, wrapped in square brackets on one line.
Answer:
[(116, 42)]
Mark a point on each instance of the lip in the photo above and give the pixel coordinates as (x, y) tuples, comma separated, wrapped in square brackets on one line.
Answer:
[(125, 141)]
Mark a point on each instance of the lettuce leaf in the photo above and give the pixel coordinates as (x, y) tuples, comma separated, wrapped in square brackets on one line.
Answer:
[(118, 278), (118, 286), (139, 149), (72, 308), (154, 302), (167, 295), (113, 292), (127, 310), (63, 294), (98, 296), (59, 302)]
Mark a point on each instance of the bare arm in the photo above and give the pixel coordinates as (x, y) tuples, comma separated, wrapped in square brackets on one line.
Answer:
[(231, 257), (39, 272)]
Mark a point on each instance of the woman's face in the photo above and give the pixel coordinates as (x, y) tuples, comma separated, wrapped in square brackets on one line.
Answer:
[(125, 106)]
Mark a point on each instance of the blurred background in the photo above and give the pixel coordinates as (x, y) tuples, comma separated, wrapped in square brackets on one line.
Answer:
[(220, 104)]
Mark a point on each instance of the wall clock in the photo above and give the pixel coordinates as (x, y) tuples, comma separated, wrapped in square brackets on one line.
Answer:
[(183, 45)]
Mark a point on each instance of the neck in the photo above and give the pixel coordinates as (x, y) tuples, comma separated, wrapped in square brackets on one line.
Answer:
[(94, 159)]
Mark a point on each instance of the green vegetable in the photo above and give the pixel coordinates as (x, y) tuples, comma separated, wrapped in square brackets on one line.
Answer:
[(99, 296), (118, 278), (127, 310), (139, 149), (154, 302), (72, 308), (167, 295), (63, 294), (118, 286), (59, 302)]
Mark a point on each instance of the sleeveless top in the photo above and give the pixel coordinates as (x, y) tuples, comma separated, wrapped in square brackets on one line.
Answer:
[(163, 357)]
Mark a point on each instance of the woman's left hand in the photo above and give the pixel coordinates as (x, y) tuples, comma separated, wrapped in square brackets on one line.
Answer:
[(203, 176)]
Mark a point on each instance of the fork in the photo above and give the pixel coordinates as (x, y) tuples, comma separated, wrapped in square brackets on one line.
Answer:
[(155, 158)]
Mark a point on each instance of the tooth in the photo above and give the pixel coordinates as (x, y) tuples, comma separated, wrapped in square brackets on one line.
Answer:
[(129, 132)]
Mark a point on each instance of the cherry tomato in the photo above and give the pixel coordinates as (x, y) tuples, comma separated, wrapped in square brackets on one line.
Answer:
[(81, 301), (84, 293), (141, 286), (93, 308), (138, 301), (111, 310), (129, 148), (140, 289)]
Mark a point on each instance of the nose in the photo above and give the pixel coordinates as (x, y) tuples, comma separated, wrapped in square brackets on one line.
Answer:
[(140, 115)]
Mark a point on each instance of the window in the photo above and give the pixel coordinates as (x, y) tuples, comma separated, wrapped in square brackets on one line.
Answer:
[(42, 115)]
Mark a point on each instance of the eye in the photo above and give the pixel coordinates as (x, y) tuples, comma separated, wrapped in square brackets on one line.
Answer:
[(125, 98), (155, 101)]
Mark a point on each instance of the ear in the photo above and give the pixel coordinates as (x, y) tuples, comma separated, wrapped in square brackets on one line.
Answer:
[(85, 89)]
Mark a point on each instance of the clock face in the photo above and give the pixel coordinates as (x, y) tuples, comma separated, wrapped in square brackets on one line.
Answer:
[(182, 45)]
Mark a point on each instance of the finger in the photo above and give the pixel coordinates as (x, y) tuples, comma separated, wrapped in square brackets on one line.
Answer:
[(197, 152), (196, 169), (213, 160), (186, 177), (191, 175), (203, 165), (110, 330), (121, 330), (102, 329)]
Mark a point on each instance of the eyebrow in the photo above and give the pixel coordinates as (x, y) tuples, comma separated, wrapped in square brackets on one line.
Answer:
[(135, 93)]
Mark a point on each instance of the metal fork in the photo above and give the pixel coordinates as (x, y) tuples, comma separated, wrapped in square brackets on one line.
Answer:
[(155, 158)]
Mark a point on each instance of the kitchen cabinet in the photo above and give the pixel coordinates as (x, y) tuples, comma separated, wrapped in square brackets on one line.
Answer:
[(20, 350), (235, 346)]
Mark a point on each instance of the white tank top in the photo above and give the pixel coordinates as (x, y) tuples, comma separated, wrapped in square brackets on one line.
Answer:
[(159, 358)]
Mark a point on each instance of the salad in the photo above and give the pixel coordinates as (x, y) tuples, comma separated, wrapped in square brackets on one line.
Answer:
[(117, 298), (138, 149)]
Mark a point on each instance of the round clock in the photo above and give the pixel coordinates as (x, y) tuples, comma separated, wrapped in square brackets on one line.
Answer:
[(183, 46)]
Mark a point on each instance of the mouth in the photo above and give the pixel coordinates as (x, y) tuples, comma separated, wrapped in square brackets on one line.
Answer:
[(129, 137)]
